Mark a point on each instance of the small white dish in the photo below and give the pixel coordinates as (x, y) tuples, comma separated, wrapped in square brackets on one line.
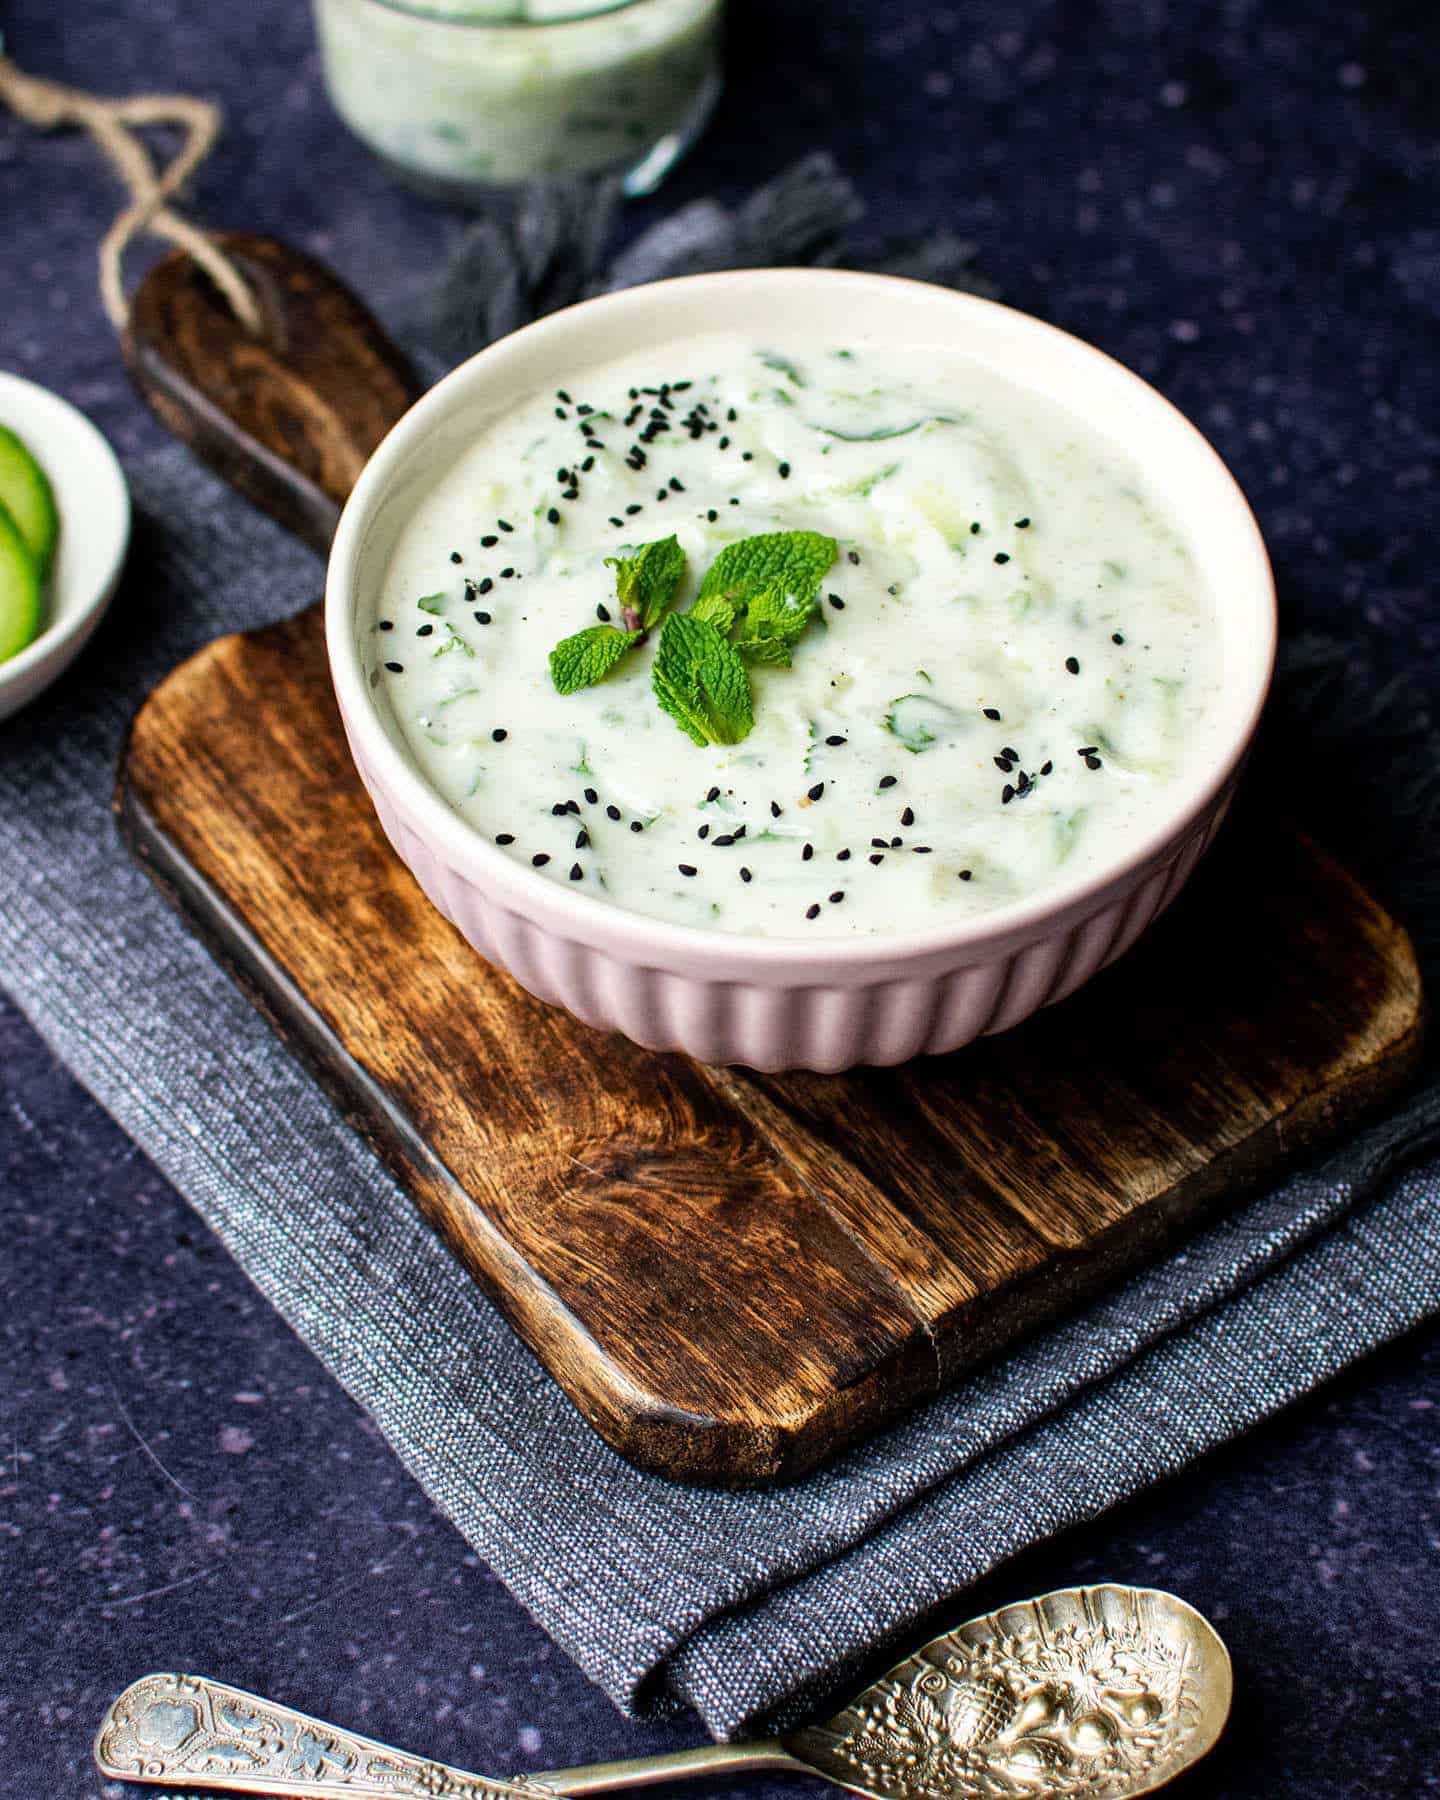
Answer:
[(94, 506)]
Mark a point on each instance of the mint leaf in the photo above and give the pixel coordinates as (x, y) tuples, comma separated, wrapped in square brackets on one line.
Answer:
[(646, 583), (580, 661), (792, 561), (773, 622), (701, 682), (715, 610)]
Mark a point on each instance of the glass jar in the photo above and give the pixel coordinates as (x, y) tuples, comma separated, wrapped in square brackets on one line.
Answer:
[(465, 96)]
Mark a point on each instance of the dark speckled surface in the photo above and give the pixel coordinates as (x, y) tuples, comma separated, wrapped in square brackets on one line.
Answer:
[(1240, 202)]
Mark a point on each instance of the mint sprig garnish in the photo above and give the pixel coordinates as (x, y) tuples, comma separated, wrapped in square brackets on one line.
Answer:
[(754, 604), (646, 583), (580, 661)]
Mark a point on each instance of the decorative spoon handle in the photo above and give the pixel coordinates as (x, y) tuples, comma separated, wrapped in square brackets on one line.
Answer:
[(185, 1731)]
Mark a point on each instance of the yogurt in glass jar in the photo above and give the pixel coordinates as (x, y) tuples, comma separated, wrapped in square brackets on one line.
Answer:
[(463, 96)]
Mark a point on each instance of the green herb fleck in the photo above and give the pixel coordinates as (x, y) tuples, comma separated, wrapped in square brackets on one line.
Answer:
[(589, 656), (884, 432), (919, 720), (701, 682), (431, 603), (782, 366), (453, 642)]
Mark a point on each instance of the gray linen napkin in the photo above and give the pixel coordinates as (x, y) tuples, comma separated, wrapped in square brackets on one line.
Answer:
[(741, 1604)]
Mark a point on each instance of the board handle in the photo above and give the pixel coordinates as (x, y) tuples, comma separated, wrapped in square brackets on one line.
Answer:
[(288, 415)]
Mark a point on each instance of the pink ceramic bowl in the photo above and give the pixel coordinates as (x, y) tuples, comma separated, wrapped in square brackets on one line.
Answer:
[(778, 1003)]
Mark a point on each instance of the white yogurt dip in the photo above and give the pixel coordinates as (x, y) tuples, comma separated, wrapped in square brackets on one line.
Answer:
[(481, 93), (1011, 664)]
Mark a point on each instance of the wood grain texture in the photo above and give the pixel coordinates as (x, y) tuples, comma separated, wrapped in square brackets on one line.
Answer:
[(734, 1274), (288, 417)]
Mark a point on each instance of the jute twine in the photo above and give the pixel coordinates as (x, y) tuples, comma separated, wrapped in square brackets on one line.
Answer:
[(113, 125)]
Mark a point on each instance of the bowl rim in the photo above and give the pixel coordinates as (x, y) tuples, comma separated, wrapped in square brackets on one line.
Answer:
[(60, 633), (469, 852)]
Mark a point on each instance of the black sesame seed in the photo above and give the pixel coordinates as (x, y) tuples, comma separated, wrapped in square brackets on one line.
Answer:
[(740, 831), (499, 734), (617, 523), (724, 443), (1002, 556), (1046, 768), (637, 825), (908, 816), (784, 471), (486, 585), (896, 842), (612, 812), (745, 875), (1087, 749), (836, 602), (712, 515), (1117, 637), (540, 858), (582, 839), (837, 896), (747, 456), (508, 574), (807, 853), (395, 668), (991, 712), (817, 792), (677, 486), (424, 630), (813, 912), (576, 872), (1072, 663), (456, 557), (482, 618), (585, 468), (888, 781), (1011, 752), (489, 542), (560, 394), (877, 859), (662, 494), (836, 741), (633, 508), (975, 528), (842, 856), (853, 556), (1003, 764), (1093, 762), (775, 809), (591, 796), (1022, 524), (559, 809), (725, 840), (712, 796), (553, 515), (602, 613), (387, 624), (687, 869), (965, 874), (703, 832), (734, 501), (504, 524), (1007, 794), (921, 849), (732, 415), (879, 843)]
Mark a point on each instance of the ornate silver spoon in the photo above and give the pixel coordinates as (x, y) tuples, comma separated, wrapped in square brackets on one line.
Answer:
[(1093, 1692)]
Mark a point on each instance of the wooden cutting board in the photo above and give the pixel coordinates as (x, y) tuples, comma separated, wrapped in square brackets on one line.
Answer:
[(733, 1274), (730, 1274)]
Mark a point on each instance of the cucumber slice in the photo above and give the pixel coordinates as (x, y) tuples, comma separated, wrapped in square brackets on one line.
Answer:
[(21, 614), (25, 493)]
